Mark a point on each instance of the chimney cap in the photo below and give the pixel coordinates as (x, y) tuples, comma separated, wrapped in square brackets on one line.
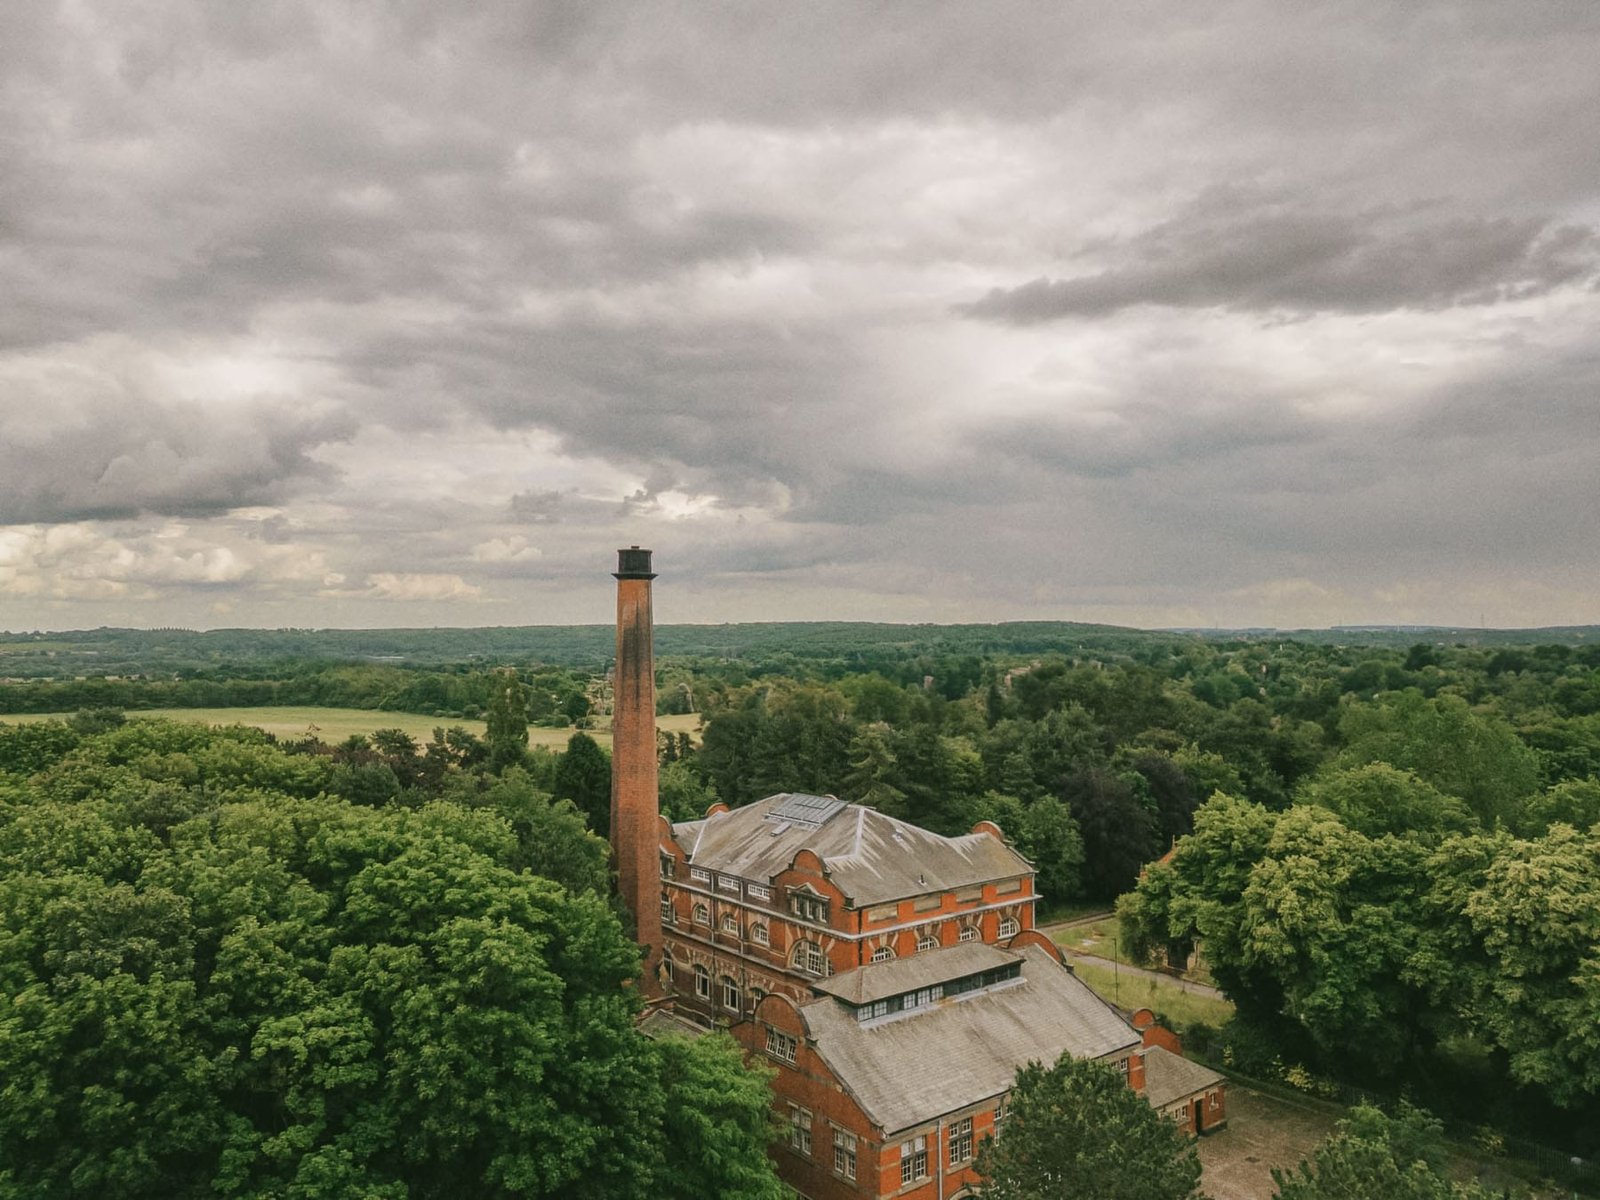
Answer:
[(634, 563)]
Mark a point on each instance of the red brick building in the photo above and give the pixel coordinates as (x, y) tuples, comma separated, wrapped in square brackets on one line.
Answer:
[(894, 980), (793, 889), (892, 976)]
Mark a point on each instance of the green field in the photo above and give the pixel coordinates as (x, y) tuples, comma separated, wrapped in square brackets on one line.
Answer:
[(1164, 997), (334, 725)]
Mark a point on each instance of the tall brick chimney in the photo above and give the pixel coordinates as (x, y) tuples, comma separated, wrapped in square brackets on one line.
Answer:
[(634, 796)]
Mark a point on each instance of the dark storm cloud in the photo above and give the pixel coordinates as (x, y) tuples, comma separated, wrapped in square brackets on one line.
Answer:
[(1282, 259), (687, 258), (177, 462)]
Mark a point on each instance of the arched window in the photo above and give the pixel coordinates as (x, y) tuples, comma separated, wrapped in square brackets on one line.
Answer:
[(969, 933), (882, 954), (702, 983), (808, 957), (758, 934), (702, 915), (730, 993), (927, 941), (1009, 927), (730, 924)]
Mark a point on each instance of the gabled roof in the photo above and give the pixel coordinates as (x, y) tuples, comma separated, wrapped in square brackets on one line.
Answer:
[(898, 976), (871, 857), (1169, 1077), (965, 1050)]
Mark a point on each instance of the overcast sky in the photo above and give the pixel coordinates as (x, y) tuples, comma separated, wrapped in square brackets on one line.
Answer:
[(1158, 314)]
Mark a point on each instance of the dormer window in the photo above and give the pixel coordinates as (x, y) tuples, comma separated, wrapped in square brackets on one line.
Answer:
[(809, 906), (669, 866)]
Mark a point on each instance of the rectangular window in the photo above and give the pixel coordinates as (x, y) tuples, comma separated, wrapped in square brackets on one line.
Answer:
[(925, 995), (780, 1045), (668, 916), (913, 1160), (669, 867), (729, 884), (808, 907), (999, 1111), (757, 892), (844, 1154), (800, 1129), (699, 874), (961, 1141)]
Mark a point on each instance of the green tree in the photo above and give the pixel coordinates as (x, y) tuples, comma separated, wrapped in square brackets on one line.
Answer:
[(1376, 799), (1459, 751), (1374, 1157), (1049, 838), (1077, 1129), (507, 717), (583, 776), (717, 1123)]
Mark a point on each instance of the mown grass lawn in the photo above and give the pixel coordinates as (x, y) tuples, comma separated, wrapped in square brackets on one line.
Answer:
[(334, 725), (1162, 996)]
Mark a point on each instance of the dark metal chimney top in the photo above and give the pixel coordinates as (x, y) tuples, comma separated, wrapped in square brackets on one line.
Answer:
[(634, 563)]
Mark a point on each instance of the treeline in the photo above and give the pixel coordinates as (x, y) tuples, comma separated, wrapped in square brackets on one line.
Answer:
[(231, 970), (849, 646), (556, 696)]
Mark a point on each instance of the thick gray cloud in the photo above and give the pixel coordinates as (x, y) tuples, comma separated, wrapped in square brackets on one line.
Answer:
[(410, 312), (1279, 259)]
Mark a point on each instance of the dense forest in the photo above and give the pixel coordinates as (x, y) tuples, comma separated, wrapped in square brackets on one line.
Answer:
[(1387, 854)]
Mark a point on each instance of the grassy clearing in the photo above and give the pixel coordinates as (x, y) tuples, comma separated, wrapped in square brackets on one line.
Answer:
[(1100, 938), (1163, 996), (334, 725), (1104, 940)]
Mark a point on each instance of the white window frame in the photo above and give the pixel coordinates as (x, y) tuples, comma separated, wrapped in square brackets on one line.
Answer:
[(669, 915), (961, 1142), (731, 999), (800, 1129), (702, 914), (969, 933), (702, 982), (758, 891), (759, 935), (700, 874), (927, 941), (781, 1045), (729, 884), (808, 957), (913, 1160), (883, 954), (1010, 927), (730, 923), (844, 1153)]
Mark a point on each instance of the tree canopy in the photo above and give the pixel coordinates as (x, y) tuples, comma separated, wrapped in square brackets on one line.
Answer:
[(1077, 1129), (220, 986)]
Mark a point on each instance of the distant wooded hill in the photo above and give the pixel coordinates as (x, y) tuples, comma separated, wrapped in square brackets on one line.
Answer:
[(108, 651)]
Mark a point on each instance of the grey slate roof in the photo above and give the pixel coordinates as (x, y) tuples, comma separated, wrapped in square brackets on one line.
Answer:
[(871, 857), (866, 984), (910, 1069), (1169, 1077)]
